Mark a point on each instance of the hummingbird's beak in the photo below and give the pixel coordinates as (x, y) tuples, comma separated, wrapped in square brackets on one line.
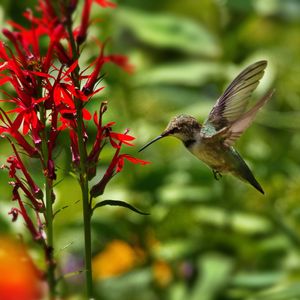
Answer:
[(154, 140)]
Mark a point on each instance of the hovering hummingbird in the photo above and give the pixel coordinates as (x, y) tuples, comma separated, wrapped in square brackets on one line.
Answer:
[(212, 142)]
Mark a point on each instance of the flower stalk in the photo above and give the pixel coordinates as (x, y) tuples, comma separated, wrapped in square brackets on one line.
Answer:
[(86, 206), (49, 207)]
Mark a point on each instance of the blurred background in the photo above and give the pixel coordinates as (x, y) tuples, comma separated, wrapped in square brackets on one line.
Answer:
[(204, 239)]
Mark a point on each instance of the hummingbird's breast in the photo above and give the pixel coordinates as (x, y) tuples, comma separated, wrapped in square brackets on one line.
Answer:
[(215, 155)]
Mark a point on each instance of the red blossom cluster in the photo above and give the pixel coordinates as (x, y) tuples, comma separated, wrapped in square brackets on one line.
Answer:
[(50, 90)]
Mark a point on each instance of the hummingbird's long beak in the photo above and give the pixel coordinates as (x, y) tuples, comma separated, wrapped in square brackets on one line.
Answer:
[(154, 140)]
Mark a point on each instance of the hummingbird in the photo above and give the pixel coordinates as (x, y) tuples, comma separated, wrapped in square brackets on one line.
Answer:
[(212, 142)]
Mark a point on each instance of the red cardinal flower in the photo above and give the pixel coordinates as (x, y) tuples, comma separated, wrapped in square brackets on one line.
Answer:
[(49, 92), (116, 164), (130, 158)]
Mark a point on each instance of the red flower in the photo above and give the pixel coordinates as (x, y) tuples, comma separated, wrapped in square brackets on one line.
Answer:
[(74, 148), (106, 3), (116, 164), (85, 17), (94, 76), (123, 138), (121, 61), (130, 158), (12, 130), (33, 192), (15, 211)]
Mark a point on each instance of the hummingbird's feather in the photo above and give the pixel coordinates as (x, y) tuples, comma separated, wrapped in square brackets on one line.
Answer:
[(236, 129), (233, 103), (229, 134)]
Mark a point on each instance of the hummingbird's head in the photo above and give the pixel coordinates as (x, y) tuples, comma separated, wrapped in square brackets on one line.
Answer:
[(183, 127)]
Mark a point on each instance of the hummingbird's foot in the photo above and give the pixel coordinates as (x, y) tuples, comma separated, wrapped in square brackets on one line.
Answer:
[(217, 174)]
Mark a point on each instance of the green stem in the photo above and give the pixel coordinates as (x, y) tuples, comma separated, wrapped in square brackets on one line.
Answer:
[(87, 242), (50, 244), (87, 211), (49, 210), (86, 205)]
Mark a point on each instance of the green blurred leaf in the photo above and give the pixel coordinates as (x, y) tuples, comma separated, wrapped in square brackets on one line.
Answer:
[(134, 285), (242, 222), (191, 73), (215, 273), (278, 119), (257, 280), (169, 31), (282, 292), (175, 249)]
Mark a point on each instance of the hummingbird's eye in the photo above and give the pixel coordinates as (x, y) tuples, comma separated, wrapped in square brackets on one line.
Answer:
[(174, 130)]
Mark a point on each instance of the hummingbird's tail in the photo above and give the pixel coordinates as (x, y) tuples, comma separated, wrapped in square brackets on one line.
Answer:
[(251, 179), (245, 174)]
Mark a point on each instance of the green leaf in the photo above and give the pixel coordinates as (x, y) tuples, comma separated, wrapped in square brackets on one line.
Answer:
[(279, 119), (257, 280), (189, 73), (119, 203), (134, 285), (169, 31), (279, 292), (215, 273)]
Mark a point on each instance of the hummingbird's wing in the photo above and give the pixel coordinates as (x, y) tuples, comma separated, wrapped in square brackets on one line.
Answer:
[(229, 134), (232, 104)]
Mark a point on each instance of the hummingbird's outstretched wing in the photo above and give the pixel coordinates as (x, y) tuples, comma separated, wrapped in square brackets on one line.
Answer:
[(228, 119), (233, 103), (232, 132)]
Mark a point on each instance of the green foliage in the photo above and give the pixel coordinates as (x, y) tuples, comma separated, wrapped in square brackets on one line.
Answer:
[(168, 31)]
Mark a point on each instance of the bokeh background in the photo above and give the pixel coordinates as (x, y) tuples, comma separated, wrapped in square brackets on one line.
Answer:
[(204, 239)]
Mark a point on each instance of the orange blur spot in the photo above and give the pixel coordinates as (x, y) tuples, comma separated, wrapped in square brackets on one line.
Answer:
[(162, 273), (118, 257), (19, 278)]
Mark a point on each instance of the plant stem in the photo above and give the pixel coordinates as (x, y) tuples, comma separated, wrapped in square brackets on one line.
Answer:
[(86, 205), (87, 242), (87, 211), (50, 244), (49, 210)]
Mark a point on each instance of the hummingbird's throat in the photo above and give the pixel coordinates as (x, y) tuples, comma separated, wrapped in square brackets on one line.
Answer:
[(189, 143)]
